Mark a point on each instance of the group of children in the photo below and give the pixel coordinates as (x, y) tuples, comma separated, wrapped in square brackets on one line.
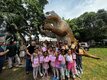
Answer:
[(61, 61)]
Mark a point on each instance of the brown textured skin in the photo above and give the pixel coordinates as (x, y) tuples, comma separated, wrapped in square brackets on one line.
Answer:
[(62, 30)]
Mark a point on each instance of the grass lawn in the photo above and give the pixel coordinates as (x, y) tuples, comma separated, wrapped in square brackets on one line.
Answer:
[(95, 69), (92, 69)]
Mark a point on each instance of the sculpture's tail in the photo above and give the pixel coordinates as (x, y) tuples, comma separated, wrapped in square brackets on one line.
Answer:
[(86, 54)]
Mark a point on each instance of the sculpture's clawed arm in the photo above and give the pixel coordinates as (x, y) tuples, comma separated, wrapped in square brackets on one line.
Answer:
[(46, 33)]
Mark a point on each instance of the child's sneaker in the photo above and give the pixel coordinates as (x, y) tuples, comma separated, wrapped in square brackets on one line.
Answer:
[(57, 78), (54, 78), (78, 76), (41, 74)]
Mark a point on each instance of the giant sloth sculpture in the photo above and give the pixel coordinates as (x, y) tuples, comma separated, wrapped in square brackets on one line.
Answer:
[(54, 24)]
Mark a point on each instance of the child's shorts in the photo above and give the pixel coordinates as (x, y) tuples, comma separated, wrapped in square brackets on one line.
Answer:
[(62, 65), (70, 65)]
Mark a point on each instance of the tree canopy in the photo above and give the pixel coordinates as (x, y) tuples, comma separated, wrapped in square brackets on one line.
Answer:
[(90, 25), (21, 17)]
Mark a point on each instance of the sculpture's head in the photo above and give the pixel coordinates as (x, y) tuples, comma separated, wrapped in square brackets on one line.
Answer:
[(51, 15)]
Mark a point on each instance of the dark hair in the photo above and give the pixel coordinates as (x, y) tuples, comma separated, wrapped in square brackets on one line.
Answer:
[(45, 53), (63, 52), (11, 42)]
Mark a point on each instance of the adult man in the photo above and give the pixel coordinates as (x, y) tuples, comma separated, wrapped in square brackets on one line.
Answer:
[(29, 52), (2, 51), (12, 54)]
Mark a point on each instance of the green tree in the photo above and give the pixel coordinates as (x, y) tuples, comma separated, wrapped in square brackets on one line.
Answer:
[(22, 16), (90, 25)]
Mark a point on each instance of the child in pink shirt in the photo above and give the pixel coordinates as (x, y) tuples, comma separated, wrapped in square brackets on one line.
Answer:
[(35, 63), (74, 60), (52, 59), (45, 63), (57, 64), (61, 58), (41, 59)]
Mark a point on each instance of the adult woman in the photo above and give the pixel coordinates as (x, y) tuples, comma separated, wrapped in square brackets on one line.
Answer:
[(2, 52)]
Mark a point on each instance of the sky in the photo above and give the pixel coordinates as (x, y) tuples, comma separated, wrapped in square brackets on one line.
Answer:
[(74, 8)]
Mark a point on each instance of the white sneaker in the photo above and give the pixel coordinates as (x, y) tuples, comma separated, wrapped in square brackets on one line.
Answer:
[(41, 74)]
